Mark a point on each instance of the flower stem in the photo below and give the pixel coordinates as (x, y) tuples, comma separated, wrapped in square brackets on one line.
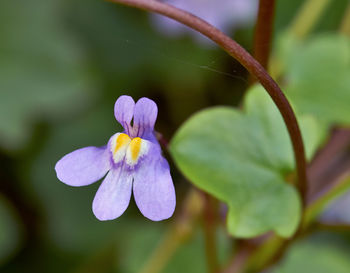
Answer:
[(314, 209), (272, 249), (307, 17), (345, 25), (241, 257), (209, 231), (264, 31), (334, 227), (163, 252), (179, 232), (329, 164), (252, 65)]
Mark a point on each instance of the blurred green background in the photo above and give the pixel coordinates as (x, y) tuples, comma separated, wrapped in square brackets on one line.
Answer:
[(62, 66)]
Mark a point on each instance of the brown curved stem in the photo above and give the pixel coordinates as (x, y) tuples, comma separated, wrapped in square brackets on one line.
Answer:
[(253, 66), (209, 223), (263, 31)]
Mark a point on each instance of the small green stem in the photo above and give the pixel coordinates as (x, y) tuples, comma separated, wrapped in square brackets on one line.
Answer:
[(271, 248), (345, 26), (330, 164), (178, 233), (239, 261), (314, 209), (163, 252), (308, 17), (266, 254), (334, 227)]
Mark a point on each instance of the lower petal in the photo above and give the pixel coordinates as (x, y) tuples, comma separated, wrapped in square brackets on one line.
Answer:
[(113, 196), (83, 167), (153, 188)]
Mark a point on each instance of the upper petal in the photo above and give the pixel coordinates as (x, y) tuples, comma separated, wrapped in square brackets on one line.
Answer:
[(84, 166), (124, 111), (153, 187), (113, 196), (145, 115)]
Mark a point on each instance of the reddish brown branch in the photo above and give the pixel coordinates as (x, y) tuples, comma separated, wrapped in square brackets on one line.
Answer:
[(324, 172), (263, 31), (210, 232), (253, 66), (336, 226), (329, 164)]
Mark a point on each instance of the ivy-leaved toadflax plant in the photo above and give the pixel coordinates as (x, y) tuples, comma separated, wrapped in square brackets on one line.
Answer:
[(134, 162)]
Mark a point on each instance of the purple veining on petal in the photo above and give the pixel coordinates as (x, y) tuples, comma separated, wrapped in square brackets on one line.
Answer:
[(84, 166), (124, 111), (153, 187), (223, 14), (150, 136), (113, 196), (109, 148), (145, 116)]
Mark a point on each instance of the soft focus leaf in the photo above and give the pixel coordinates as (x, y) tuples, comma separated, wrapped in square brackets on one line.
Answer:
[(317, 255), (318, 77), (242, 159), (140, 246), (332, 17), (45, 48), (338, 210), (41, 68), (10, 232)]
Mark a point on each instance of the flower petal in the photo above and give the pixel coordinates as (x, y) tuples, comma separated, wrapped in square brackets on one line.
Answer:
[(153, 187), (118, 145), (145, 115), (124, 111), (84, 166), (113, 196)]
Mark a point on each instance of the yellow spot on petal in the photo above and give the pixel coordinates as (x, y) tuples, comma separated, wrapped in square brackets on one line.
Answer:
[(135, 146), (121, 141)]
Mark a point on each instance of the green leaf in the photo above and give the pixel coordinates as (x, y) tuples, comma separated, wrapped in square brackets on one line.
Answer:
[(138, 248), (316, 256), (318, 77), (42, 72), (243, 159)]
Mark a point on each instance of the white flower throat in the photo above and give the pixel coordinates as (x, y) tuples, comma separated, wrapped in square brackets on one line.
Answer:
[(122, 146)]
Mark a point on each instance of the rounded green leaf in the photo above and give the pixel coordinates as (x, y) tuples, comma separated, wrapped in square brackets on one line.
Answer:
[(243, 159), (318, 77), (320, 254)]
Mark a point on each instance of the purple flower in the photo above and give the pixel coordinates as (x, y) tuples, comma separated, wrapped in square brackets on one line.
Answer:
[(224, 14), (133, 161)]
